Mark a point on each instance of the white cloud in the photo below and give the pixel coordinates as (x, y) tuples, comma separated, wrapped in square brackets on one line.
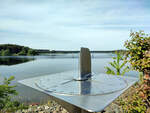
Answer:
[(80, 22)]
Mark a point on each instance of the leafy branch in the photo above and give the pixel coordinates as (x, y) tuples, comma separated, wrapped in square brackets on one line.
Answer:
[(117, 66), (6, 93)]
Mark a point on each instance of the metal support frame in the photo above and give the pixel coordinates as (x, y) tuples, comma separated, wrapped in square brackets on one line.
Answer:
[(69, 107)]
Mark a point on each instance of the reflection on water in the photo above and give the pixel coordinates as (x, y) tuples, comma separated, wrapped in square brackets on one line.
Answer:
[(13, 61)]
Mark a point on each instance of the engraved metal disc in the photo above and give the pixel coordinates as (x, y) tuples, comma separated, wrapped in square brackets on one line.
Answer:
[(65, 84)]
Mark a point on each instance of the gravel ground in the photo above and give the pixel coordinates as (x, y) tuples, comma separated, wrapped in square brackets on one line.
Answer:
[(50, 107), (53, 107)]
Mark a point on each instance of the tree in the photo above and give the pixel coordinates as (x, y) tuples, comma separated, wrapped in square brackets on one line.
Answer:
[(31, 52), (5, 52), (120, 68), (6, 93), (1, 52), (22, 52)]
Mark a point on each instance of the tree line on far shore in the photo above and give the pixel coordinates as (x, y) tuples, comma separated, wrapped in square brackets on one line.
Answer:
[(16, 50)]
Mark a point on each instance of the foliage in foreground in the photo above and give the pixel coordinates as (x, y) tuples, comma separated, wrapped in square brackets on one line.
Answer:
[(137, 102), (6, 93), (118, 65), (139, 58), (139, 51)]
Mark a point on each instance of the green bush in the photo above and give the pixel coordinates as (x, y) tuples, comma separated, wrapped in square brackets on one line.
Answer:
[(134, 103), (139, 51), (6, 93), (138, 55)]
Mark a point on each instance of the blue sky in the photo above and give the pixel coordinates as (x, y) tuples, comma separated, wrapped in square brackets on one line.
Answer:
[(71, 24)]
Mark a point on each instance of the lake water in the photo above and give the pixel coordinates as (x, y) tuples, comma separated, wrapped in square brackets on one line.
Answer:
[(27, 67)]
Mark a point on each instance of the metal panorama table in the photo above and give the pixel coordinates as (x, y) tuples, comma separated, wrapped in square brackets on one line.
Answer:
[(81, 92), (93, 95)]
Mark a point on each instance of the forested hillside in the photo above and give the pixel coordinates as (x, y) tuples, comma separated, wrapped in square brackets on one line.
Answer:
[(16, 50)]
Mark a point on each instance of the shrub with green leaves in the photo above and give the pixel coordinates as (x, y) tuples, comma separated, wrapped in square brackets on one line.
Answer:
[(118, 66), (139, 51), (138, 55), (6, 93), (134, 103)]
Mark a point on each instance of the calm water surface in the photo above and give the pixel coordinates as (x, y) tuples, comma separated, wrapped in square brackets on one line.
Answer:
[(27, 67)]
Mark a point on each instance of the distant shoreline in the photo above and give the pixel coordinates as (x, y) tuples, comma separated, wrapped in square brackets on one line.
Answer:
[(18, 50), (57, 51)]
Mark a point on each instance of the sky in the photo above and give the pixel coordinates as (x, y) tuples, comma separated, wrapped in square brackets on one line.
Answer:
[(71, 24)]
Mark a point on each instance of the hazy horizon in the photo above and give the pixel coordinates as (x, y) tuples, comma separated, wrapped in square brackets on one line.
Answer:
[(69, 25)]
